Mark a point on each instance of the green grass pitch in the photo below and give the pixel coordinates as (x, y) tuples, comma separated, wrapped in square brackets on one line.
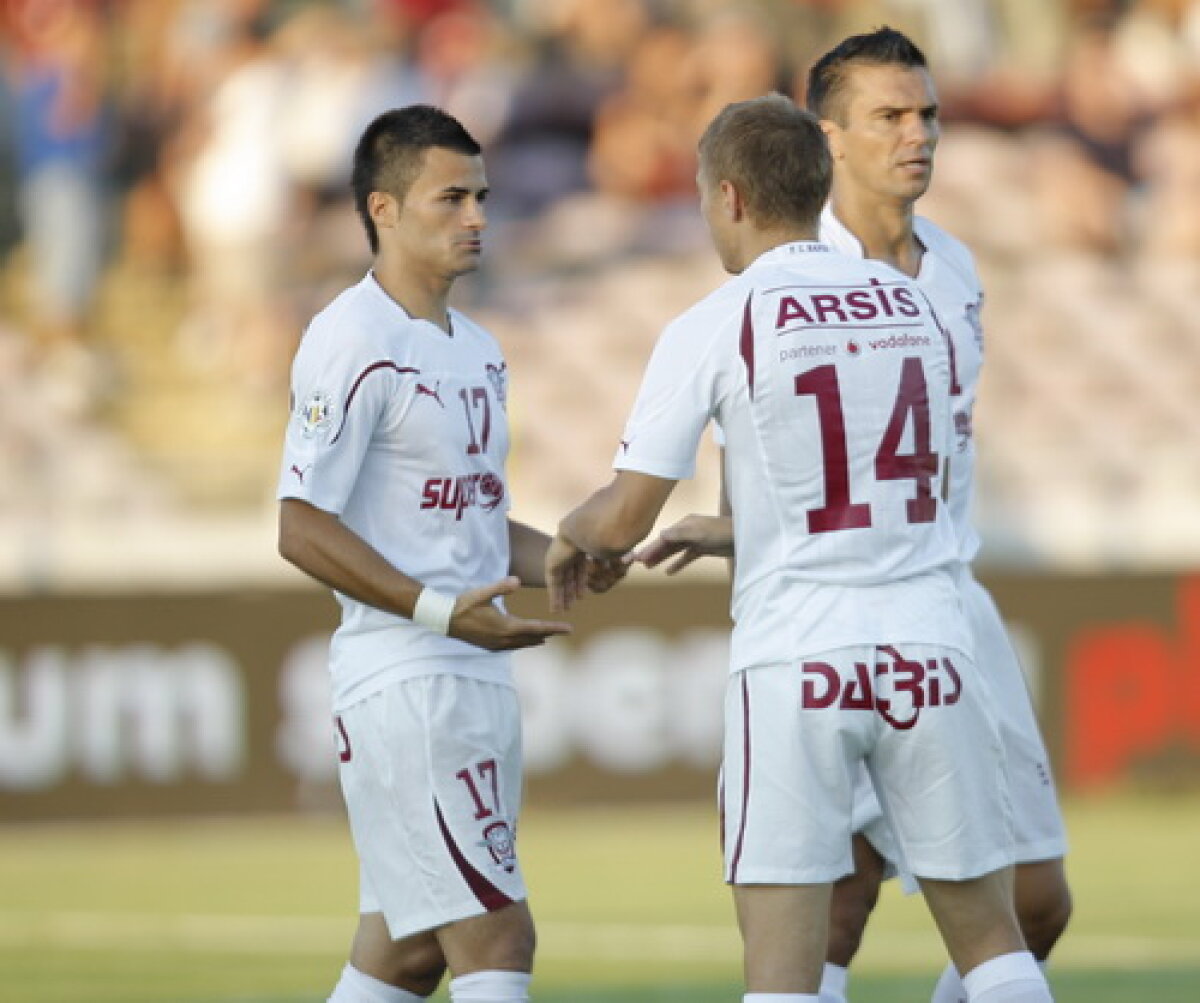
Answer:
[(628, 900)]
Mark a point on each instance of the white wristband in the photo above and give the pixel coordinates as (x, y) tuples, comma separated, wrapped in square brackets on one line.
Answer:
[(433, 610)]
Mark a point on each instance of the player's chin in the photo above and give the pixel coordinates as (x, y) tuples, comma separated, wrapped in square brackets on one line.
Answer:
[(915, 184), (467, 263)]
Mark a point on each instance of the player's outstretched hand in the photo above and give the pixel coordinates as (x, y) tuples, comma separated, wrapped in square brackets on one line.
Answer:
[(478, 621), (603, 573), (566, 574), (694, 536)]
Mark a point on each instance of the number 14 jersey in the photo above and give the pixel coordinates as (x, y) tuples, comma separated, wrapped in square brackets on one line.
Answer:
[(831, 380)]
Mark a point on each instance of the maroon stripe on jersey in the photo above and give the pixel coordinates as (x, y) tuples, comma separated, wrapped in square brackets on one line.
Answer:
[(344, 751), (747, 345), (955, 386), (373, 367), (741, 836), (490, 897)]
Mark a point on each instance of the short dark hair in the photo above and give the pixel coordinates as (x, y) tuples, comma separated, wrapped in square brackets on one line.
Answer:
[(391, 151), (775, 154), (827, 79)]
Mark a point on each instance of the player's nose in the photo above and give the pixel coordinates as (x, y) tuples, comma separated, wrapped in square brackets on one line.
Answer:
[(474, 216), (923, 132)]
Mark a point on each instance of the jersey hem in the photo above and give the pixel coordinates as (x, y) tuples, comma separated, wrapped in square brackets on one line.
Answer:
[(484, 667)]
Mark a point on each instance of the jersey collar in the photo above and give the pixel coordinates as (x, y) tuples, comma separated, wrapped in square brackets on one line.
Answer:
[(789, 251)]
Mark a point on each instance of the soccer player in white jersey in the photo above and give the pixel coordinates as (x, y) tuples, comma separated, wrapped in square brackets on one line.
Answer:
[(831, 383), (393, 494), (878, 105)]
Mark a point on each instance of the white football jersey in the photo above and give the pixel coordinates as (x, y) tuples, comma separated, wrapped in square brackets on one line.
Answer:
[(949, 279), (400, 429), (829, 379)]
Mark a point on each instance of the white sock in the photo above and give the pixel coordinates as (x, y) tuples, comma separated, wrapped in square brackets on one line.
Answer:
[(780, 998), (491, 987), (358, 987), (949, 988), (1010, 978), (834, 979)]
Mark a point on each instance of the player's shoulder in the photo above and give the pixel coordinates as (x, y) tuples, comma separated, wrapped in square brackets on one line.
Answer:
[(947, 247), (354, 320), (467, 327), (721, 307)]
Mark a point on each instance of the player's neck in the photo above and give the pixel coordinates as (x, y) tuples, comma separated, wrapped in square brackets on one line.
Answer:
[(884, 228), (422, 297), (758, 242)]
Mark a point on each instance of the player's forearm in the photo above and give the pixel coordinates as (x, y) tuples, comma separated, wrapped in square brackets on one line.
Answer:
[(323, 547), (603, 527), (527, 553)]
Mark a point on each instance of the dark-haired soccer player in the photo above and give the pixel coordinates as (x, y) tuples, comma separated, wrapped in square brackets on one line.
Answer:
[(393, 494), (878, 105)]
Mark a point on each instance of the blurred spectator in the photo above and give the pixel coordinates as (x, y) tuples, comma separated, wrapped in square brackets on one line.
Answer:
[(465, 59), (541, 153), (63, 135), (339, 72), (644, 143), (1084, 171), (233, 199), (737, 56), (152, 100), (1168, 158)]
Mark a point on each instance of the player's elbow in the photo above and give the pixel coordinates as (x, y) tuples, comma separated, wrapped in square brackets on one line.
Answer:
[(289, 544), (292, 542)]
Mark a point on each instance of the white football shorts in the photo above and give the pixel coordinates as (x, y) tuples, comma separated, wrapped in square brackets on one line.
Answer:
[(1038, 827), (796, 734), (430, 769)]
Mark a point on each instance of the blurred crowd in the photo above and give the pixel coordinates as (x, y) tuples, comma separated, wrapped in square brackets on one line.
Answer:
[(174, 204)]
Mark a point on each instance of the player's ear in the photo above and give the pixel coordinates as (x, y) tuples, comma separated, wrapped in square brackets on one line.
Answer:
[(731, 200), (833, 136), (384, 209)]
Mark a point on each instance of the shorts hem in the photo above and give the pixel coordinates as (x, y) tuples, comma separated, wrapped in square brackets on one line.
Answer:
[(408, 926), (942, 873), (807, 877), (1042, 849)]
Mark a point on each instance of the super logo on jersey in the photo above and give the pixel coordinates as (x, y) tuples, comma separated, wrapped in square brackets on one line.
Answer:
[(457, 494)]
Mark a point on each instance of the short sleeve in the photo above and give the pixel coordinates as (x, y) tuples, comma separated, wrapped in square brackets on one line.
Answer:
[(336, 410), (681, 389)]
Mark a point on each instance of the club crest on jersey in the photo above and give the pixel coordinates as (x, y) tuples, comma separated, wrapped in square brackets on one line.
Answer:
[(315, 414), (498, 838), (498, 377)]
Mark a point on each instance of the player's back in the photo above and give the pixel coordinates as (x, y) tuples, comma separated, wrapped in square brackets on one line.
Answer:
[(834, 464)]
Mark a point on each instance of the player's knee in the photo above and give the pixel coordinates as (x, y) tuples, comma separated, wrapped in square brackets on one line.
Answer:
[(509, 945), (420, 969), (514, 951), (1044, 918), (854, 898)]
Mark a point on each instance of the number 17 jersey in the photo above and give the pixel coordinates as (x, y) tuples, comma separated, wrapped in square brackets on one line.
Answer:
[(399, 429), (830, 380)]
